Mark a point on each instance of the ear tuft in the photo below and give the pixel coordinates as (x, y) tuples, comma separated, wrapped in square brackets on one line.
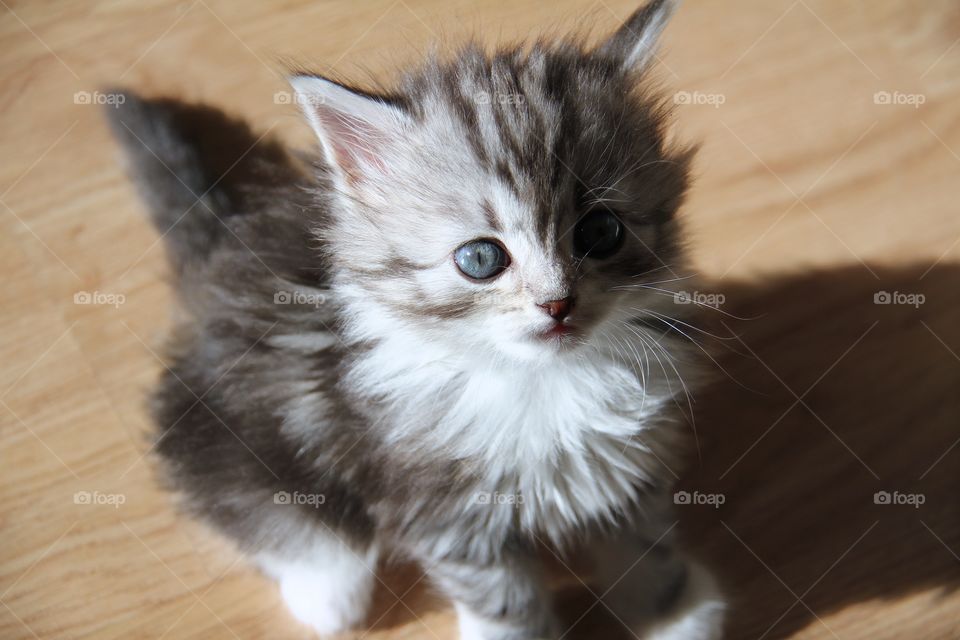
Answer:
[(634, 44), (356, 130)]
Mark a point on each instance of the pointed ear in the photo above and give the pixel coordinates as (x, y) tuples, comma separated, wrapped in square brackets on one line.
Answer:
[(634, 44), (356, 131)]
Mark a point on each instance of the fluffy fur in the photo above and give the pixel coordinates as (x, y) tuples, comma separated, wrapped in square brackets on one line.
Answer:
[(337, 388)]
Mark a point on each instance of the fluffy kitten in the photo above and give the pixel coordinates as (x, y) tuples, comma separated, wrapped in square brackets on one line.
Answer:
[(449, 338)]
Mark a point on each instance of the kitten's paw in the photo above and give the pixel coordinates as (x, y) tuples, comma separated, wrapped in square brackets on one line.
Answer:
[(327, 586), (697, 614), (323, 605)]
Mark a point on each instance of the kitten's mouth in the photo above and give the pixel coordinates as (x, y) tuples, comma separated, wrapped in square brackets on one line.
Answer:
[(558, 331)]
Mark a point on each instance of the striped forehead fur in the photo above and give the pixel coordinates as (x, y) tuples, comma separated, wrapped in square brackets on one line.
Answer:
[(525, 138)]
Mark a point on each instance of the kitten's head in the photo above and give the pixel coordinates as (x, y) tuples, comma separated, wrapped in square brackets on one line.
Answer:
[(512, 203)]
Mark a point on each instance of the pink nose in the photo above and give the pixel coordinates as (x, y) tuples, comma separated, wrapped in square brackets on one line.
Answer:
[(558, 309)]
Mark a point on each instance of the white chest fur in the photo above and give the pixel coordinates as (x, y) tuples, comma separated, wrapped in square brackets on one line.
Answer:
[(561, 444)]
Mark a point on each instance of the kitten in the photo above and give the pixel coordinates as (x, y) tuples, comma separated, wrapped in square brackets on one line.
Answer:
[(438, 340)]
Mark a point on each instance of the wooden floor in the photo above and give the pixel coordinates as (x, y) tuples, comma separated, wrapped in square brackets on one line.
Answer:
[(829, 173)]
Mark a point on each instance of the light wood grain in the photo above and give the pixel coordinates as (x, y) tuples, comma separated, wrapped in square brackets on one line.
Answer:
[(810, 199)]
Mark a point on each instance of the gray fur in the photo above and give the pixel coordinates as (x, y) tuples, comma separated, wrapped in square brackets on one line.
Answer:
[(266, 398)]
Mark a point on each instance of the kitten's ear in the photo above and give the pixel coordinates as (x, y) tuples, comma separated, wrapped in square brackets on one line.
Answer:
[(634, 44), (356, 131)]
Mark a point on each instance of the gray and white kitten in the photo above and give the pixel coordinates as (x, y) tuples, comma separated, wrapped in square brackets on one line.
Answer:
[(450, 338)]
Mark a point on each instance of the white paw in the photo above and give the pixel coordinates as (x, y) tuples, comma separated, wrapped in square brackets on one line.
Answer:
[(473, 627), (325, 607), (327, 586)]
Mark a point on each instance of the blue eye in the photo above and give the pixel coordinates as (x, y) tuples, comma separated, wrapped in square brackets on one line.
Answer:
[(481, 259)]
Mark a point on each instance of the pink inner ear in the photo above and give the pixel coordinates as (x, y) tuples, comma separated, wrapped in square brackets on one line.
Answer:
[(357, 145)]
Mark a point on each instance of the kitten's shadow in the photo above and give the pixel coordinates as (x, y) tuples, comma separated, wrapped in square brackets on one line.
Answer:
[(799, 534)]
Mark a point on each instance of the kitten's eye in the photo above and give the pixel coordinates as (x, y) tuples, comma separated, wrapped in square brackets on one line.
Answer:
[(598, 235), (481, 259)]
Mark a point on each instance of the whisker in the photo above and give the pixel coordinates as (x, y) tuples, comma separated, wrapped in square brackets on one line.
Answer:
[(686, 324), (655, 344), (709, 355), (641, 285), (643, 273)]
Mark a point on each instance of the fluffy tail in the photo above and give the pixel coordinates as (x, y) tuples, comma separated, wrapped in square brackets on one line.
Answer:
[(196, 168)]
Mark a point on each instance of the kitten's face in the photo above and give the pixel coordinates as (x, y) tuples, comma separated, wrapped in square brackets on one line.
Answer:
[(510, 206)]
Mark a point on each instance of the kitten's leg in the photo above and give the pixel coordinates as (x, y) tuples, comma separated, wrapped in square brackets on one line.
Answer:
[(501, 598), (655, 589), (328, 585)]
